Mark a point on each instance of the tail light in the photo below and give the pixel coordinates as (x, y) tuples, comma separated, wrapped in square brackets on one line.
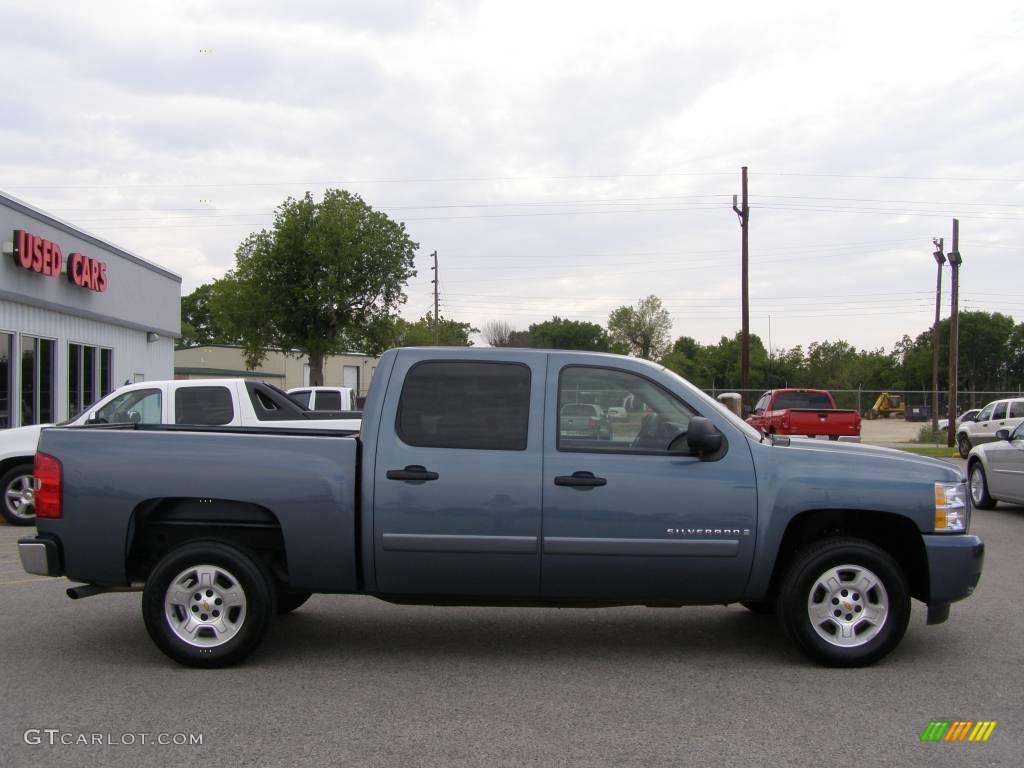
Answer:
[(785, 420), (48, 473)]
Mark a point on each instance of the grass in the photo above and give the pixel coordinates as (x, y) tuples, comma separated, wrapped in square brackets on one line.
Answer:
[(936, 451)]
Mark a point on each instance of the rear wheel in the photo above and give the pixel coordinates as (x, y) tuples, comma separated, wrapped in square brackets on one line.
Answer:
[(963, 444), (979, 487), (19, 490), (207, 604), (833, 437), (845, 602)]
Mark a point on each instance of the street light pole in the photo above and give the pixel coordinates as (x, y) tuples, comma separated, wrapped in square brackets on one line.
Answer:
[(940, 259), (954, 331)]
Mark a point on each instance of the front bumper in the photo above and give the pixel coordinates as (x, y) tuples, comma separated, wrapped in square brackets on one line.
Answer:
[(954, 566), (40, 555)]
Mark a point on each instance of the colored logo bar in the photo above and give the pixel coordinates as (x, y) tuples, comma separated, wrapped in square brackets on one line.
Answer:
[(958, 730)]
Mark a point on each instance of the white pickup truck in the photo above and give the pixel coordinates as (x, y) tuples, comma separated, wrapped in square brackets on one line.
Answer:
[(206, 402), (324, 398)]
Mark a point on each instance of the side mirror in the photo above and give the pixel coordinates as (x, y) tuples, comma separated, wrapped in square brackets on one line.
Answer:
[(1002, 434), (134, 417), (703, 437)]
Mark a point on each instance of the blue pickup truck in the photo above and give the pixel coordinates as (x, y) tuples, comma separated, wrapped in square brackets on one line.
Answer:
[(466, 485)]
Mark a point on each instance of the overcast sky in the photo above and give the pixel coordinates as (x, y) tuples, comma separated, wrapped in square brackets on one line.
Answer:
[(562, 158)]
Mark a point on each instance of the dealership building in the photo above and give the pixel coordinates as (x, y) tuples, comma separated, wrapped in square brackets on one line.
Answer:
[(78, 317)]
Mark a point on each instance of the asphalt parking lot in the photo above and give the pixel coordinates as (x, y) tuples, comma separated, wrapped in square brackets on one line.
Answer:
[(354, 681)]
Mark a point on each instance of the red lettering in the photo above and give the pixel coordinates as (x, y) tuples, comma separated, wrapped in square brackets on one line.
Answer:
[(102, 285), (22, 250), (37, 253), (94, 278), (75, 268), (57, 261)]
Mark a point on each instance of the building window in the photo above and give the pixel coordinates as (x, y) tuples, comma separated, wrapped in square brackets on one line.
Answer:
[(36, 380), (6, 379), (89, 376)]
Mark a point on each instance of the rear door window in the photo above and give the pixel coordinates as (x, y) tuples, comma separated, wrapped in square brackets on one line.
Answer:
[(301, 397), (206, 406), (456, 404), (999, 412)]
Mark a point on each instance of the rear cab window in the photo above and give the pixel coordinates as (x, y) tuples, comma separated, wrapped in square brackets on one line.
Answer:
[(327, 400), (455, 404), (802, 400)]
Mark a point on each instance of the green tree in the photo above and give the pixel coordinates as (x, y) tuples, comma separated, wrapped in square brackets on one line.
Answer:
[(198, 326), (559, 333), (321, 276), (642, 331), (451, 333)]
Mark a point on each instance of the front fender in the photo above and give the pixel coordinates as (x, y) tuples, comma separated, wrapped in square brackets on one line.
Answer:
[(813, 475)]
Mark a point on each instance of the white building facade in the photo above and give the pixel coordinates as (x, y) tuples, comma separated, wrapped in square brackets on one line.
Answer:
[(78, 317)]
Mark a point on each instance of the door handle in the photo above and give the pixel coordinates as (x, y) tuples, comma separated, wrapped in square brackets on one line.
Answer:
[(412, 472), (580, 480)]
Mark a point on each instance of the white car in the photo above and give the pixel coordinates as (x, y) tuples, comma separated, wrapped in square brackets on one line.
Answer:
[(967, 415), (206, 402), (999, 414)]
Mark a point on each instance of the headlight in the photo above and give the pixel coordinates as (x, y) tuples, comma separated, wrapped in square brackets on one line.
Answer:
[(951, 507)]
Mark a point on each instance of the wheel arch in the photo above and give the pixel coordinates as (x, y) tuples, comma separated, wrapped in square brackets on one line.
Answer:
[(897, 535), (160, 525)]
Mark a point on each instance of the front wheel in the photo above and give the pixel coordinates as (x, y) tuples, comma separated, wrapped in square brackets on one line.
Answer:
[(207, 604), (19, 489), (845, 602), (963, 444), (979, 487)]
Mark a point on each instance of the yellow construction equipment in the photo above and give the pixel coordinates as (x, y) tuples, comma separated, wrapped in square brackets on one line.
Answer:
[(886, 405)]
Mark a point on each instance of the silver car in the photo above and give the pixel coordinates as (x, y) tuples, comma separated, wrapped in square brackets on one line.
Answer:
[(996, 470)]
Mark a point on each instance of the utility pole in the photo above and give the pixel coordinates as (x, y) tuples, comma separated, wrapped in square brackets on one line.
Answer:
[(940, 259), (437, 327), (744, 215), (954, 332)]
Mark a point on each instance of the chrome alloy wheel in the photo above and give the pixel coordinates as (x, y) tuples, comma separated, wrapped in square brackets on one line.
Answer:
[(205, 606), (20, 496), (847, 605), (977, 483)]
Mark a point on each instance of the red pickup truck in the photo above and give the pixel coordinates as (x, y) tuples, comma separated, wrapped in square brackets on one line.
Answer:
[(810, 412)]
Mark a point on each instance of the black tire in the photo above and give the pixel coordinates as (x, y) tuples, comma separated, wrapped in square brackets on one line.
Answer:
[(888, 599), (963, 444), (289, 601), (813, 437), (762, 608), (833, 437), (234, 571), (978, 484), (15, 509)]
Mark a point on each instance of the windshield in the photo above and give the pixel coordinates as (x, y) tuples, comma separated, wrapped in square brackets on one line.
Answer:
[(709, 401)]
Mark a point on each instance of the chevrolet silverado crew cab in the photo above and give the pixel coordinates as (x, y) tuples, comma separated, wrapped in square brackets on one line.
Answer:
[(465, 485), (209, 402)]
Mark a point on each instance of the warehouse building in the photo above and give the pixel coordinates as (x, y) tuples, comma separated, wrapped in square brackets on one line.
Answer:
[(78, 317)]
